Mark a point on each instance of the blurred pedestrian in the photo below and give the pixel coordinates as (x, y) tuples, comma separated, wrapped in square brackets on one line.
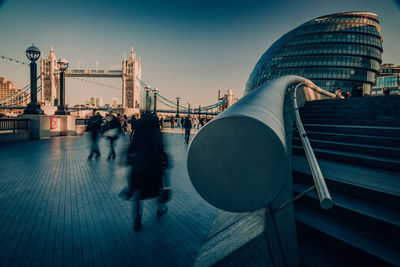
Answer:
[(133, 125), (113, 128), (187, 124), (202, 121), (149, 161), (172, 122), (124, 124), (94, 128), (339, 93), (161, 122), (357, 91), (182, 121)]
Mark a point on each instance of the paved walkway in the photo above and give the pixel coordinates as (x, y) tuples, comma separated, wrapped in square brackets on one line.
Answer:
[(58, 209)]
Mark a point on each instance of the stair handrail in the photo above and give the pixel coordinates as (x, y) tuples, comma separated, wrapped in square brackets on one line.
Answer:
[(247, 150), (319, 181)]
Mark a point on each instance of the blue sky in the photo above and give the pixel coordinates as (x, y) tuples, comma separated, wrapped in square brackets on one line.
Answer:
[(189, 49)]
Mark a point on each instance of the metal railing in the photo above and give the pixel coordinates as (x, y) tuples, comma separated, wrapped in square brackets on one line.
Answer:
[(81, 121), (319, 181), (247, 148), (13, 125)]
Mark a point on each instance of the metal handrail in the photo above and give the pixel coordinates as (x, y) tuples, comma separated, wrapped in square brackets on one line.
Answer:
[(319, 181)]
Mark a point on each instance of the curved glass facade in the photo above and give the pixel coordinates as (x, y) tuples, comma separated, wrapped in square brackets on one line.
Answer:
[(338, 50)]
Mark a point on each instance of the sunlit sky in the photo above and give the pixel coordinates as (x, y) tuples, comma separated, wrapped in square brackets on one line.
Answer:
[(189, 49)]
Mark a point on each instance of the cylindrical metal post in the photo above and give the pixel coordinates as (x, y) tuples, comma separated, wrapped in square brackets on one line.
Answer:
[(155, 102), (147, 101), (33, 82), (62, 80), (177, 107), (61, 110), (33, 107)]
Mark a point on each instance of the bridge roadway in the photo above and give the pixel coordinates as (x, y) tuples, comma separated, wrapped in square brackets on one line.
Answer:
[(58, 209)]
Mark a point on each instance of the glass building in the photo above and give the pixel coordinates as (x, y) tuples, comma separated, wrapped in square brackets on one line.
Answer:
[(387, 79), (335, 51)]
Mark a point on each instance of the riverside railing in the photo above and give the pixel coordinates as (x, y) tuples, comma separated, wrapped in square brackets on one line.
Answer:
[(79, 121), (241, 160), (13, 125)]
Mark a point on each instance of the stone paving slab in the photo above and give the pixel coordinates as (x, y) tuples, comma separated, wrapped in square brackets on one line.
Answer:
[(59, 209)]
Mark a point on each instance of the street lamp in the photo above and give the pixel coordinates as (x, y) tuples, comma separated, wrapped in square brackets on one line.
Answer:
[(33, 54), (155, 91), (62, 65), (177, 106), (147, 90), (189, 108)]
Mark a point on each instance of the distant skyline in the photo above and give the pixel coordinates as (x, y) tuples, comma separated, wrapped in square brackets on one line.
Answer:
[(189, 49)]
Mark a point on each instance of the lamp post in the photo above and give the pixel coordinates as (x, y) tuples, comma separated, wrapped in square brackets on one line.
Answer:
[(33, 53), (177, 106), (147, 90), (155, 91), (62, 65), (189, 108)]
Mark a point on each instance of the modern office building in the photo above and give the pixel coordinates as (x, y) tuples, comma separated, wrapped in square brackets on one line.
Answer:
[(339, 50), (99, 101), (7, 88), (10, 94), (387, 79), (92, 101), (114, 103)]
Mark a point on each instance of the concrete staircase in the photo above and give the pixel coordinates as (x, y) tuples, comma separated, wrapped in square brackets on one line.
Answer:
[(357, 143)]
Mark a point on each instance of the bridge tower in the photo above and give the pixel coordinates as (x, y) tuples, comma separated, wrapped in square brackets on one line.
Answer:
[(50, 80), (131, 70)]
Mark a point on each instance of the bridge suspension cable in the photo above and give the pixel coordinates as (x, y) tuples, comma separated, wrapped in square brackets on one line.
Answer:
[(14, 60), (181, 107), (97, 83)]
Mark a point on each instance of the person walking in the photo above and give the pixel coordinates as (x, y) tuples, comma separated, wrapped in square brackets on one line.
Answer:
[(94, 127), (149, 162), (172, 122), (187, 124), (124, 124), (133, 125), (161, 122), (113, 126), (182, 121)]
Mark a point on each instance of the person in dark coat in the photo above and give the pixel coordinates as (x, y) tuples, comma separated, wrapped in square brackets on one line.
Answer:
[(172, 122), (113, 127), (133, 125), (149, 161), (94, 127), (187, 124)]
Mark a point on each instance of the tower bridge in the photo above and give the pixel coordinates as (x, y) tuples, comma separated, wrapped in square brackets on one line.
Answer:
[(130, 73)]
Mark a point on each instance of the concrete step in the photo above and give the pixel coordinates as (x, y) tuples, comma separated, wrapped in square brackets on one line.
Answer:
[(369, 242), (377, 217), (354, 129), (353, 158), (319, 249), (375, 185), (376, 198), (382, 110), (338, 115), (354, 101), (373, 150), (354, 138), (345, 121), (363, 222)]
